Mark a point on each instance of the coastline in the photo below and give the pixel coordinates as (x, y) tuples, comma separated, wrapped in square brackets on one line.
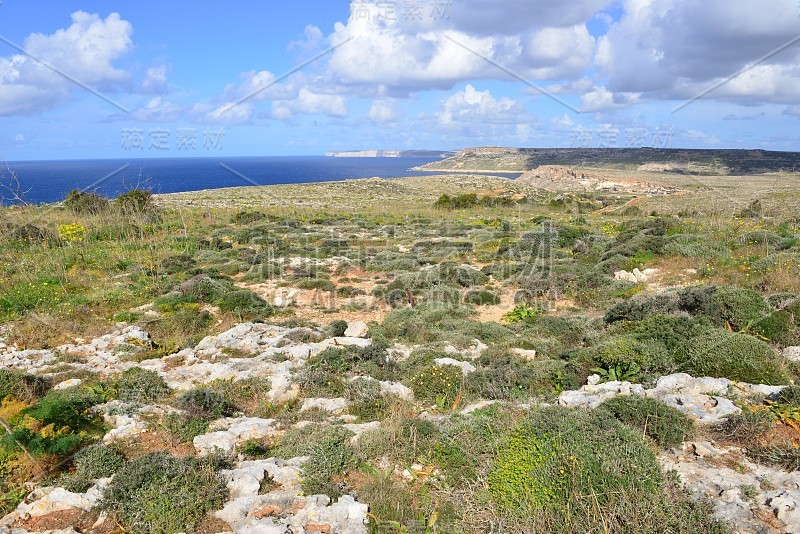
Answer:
[(465, 171)]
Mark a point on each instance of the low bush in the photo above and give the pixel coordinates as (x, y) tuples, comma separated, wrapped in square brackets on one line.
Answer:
[(91, 463), (205, 403), (736, 306), (559, 456), (747, 427), (316, 283), (245, 305), (159, 492), (790, 395), (135, 201), (664, 424), (779, 327), (82, 202), (439, 384), (185, 429), (329, 454), (337, 328), (740, 357), (22, 386), (141, 385), (640, 308), (58, 424), (505, 376)]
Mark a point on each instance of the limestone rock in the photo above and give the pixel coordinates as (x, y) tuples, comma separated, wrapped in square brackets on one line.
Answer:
[(335, 406), (466, 367), (356, 329), (230, 432)]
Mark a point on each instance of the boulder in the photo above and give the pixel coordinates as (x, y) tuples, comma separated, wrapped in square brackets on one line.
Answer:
[(356, 329), (466, 367)]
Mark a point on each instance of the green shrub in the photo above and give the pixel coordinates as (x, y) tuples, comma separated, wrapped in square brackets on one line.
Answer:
[(506, 376), (439, 384), (254, 449), (740, 357), (185, 429), (203, 402), (736, 306), (561, 455), (481, 298), (82, 202), (667, 330), (66, 408), (695, 246), (64, 422), (522, 313), (638, 309), (22, 386), (134, 201), (141, 385), (747, 427), (316, 283), (779, 327), (324, 373), (329, 455), (160, 493), (790, 395), (91, 463), (337, 328), (664, 424), (245, 305)]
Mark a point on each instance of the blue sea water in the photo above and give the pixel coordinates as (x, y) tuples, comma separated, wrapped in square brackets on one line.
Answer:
[(50, 181)]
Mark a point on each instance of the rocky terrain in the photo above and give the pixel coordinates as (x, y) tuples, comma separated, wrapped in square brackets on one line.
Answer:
[(482, 354)]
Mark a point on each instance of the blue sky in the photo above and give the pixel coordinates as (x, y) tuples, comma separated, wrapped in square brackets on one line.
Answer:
[(109, 79)]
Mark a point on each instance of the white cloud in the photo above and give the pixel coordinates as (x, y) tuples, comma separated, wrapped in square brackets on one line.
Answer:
[(698, 135), (472, 106), (383, 111), (85, 51), (601, 99), (158, 110), (547, 40), (677, 49), (310, 103), (155, 81), (227, 113)]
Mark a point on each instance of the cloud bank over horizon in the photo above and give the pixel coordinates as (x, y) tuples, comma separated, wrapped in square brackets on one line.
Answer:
[(435, 74)]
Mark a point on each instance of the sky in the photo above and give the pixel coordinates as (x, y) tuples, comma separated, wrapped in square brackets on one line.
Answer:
[(112, 79)]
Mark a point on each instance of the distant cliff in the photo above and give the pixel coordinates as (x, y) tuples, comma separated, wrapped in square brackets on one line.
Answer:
[(676, 161), (391, 154)]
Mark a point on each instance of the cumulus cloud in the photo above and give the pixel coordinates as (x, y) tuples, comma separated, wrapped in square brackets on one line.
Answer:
[(677, 49), (401, 54), (601, 99), (155, 81), (310, 103), (481, 107), (85, 51), (383, 111), (157, 110)]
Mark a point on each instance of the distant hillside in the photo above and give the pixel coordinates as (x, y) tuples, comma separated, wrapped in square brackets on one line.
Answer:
[(681, 161), (391, 154)]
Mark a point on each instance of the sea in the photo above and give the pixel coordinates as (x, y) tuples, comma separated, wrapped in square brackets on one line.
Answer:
[(50, 181)]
